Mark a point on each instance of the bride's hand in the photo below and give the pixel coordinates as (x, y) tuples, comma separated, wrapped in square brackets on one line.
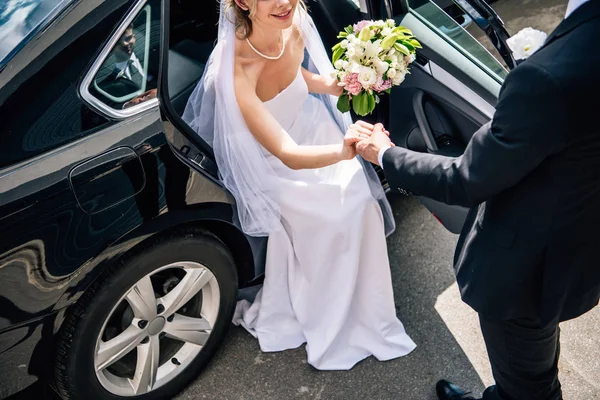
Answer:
[(356, 132), (335, 87)]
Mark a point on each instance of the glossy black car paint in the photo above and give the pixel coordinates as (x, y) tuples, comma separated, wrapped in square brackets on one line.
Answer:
[(79, 190)]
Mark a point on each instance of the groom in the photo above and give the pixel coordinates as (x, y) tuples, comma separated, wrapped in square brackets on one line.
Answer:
[(526, 259)]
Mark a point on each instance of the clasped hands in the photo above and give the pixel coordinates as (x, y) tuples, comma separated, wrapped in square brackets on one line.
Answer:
[(366, 140)]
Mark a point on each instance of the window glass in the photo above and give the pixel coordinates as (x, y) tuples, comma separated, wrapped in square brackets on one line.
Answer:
[(40, 108), (128, 75), (20, 19), (450, 23), (542, 15)]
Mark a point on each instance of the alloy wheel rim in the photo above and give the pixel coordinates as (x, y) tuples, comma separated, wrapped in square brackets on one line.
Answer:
[(154, 321)]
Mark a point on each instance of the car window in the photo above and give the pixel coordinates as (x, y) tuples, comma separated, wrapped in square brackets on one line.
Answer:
[(516, 15), (41, 108), (126, 73), (452, 25), (21, 19)]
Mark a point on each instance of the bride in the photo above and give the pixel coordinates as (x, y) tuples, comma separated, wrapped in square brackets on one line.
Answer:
[(267, 106)]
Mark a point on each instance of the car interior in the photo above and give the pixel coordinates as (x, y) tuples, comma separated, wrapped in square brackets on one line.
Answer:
[(191, 41)]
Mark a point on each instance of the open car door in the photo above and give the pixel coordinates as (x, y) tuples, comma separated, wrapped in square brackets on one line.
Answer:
[(452, 89)]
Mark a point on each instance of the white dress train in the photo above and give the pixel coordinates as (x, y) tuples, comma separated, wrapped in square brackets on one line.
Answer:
[(327, 278)]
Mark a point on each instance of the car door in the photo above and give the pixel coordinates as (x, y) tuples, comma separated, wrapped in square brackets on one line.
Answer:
[(451, 91), (72, 173)]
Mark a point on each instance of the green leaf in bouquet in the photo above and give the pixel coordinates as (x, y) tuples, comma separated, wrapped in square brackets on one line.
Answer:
[(343, 103), (409, 46), (372, 102), (388, 42), (402, 49), (337, 46), (365, 34), (416, 44), (388, 91), (337, 54), (360, 104), (402, 29), (349, 29), (342, 35), (363, 104)]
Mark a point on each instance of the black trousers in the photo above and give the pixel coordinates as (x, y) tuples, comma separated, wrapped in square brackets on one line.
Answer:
[(524, 356)]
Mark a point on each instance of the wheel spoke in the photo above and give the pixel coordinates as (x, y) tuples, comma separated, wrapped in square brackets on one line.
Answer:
[(147, 366), (193, 281), (142, 301), (188, 329), (113, 350)]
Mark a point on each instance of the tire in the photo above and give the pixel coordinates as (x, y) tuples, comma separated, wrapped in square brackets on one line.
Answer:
[(85, 366)]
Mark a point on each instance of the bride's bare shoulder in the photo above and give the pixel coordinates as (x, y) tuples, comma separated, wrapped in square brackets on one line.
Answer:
[(247, 68), (296, 35)]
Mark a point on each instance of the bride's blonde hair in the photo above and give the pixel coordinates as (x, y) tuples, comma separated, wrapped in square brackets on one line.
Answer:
[(243, 18)]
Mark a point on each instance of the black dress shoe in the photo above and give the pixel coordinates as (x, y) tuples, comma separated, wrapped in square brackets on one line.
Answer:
[(449, 391)]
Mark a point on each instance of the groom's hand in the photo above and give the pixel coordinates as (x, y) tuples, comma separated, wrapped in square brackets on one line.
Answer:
[(369, 148)]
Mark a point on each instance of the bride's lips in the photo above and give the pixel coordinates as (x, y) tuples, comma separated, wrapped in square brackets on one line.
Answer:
[(284, 16)]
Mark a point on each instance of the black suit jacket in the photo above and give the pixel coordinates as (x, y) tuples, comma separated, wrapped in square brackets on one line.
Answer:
[(532, 178)]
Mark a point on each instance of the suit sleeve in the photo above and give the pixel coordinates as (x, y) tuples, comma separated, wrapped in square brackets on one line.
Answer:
[(529, 125)]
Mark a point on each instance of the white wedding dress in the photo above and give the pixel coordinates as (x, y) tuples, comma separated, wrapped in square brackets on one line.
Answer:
[(327, 279)]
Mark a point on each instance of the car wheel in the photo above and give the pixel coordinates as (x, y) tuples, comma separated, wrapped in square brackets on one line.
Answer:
[(148, 326)]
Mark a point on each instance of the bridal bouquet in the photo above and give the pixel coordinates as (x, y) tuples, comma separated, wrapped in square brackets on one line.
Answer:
[(372, 57)]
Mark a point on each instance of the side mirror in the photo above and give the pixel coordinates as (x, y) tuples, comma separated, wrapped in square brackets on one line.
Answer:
[(490, 22)]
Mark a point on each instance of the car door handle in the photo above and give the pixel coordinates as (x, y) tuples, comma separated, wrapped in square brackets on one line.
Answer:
[(107, 179), (421, 117)]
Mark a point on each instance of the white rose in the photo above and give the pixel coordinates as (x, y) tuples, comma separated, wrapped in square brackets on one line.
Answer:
[(353, 67), (390, 22), (344, 44), (351, 37), (367, 77), (380, 66), (399, 78), (526, 42), (391, 73), (339, 64), (351, 51)]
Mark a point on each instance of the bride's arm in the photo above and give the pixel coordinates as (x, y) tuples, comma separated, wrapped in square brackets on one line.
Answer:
[(269, 133), (321, 84)]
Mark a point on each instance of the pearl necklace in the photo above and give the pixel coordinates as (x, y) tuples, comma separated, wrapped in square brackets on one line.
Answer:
[(266, 56)]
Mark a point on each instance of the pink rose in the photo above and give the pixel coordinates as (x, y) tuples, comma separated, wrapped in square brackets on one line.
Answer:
[(382, 85), (351, 84), (359, 25)]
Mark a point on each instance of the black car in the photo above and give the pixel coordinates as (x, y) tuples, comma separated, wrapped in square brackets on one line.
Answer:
[(120, 261)]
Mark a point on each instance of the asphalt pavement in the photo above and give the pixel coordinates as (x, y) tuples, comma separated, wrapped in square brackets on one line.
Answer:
[(446, 331)]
